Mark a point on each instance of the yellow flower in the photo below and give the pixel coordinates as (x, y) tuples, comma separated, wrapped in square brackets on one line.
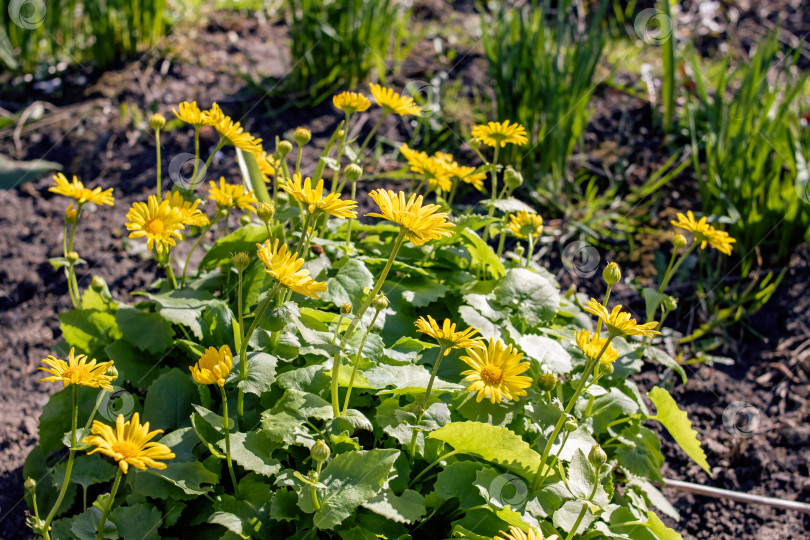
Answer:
[(469, 176), (190, 114), (76, 190), (351, 102), (591, 345), (500, 134), (268, 165), (314, 200), (213, 366), (525, 223), (496, 372), (619, 323), (419, 223), (213, 116), (391, 102), (516, 534), (129, 444), (77, 370), (705, 233), (446, 335), (188, 209), (234, 134), (285, 267), (158, 222), (231, 195)]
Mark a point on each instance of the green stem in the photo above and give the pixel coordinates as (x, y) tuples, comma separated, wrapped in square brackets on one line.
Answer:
[(357, 362), (194, 247), (432, 465), (193, 182), (604, 303), (108, 506), (420, 412), (584, 507), (217, 148), (71, 456), (530, 251), (668, 275), (502, 240), (494, 194), (298, 160), (368, 138), (341, 147), (157, 149), (314, 490), (170, 271), (349, 228), (240, 399), (585, 375), (452, 194), (73, 229), (226, 427)]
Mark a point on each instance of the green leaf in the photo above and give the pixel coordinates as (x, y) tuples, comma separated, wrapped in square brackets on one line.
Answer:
[(168, 401), (581, 476), (566, 517), (494, 444), (533, 296), (147, 331), (418, 291), (660, 530), (89, 470), (218, 326), (652, 299), (405, 508), (89, 330), (137, 521), (455, 480), (183, 307), (352, 479), (132, 364), (547, 352), (85, 525), (188, 476), (481, 254), (657, 355), (409, 378), (349, 284), (261, 368), (640, 452), (252, 451), (677, 423), (242, 239), (56, 415)]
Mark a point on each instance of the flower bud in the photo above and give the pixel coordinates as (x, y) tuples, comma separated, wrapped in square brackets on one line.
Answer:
[(157, 121), (245, 219), (98, 284), (302, 136), (241, 261), (71, 215), (597, 456), (607, 369), (341, 133), (519, 250), (546, 382), (345, 308), (571, 424), (679, 241), (670, 303), (284, 148), (266, 211), (319, 451), (380, 303), (512, 178), (474, 143), (612, 274), (353, 172), (72, 258), (112, 372), (30, 484)]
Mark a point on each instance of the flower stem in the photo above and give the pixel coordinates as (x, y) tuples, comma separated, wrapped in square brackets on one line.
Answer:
[(71, 456), (170, 271), (108, 506), (584, 507), (194, 247), (227, 428), (349, 227), (157, 150), (420, 411), (494, 194), (368, 138), (668, 275), (357, 362), (314, 490), (429, 467), (530, 251), (193, 183)]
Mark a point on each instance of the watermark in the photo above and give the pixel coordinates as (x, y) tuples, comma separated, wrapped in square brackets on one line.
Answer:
[(802, 183), (119, 401), (581, 259), (653, 26), (425, 95), (508, 490), (741, 419), (181, 171), (28, 14)]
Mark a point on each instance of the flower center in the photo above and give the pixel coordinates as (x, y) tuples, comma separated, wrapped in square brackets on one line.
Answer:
[(492, 375), (76, 374), (126, 449), (154, 226)]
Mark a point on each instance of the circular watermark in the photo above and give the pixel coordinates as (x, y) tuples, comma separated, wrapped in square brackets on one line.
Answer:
[(181, 171), (28, 14), (581, 259), (741, 419), (119, 401), (425, 95), (508, 490), (802, 184), (653, 26)]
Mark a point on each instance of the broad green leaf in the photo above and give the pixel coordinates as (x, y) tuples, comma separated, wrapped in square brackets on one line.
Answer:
[(533, 296), (168, 401), (657, 355), (242, 239), (188, 476), (137, 521), (89, 470), (282, 427), (403, 378), (351, 479), (660, 530), (85, 525), (348, 284), (261, 369), (481, 254), (183, 307), (405, 508), (581, 476), (89, 330), (252, 451), (652, 299), (147, 331), (640, 452), (455, 481), (218, 326), (418, 291), (511, 204), (132, 365), (566, 517), (495, 444), (547, 352), (677, 423), (56, 415), (655, 497)]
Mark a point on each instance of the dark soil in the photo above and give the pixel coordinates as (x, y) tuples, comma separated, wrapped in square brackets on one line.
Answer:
[(87, 134)]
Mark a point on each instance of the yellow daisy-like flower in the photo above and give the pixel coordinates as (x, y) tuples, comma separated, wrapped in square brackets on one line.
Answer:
[(516, 534), (469, 176), (496, 372), (419, 223), (159, 222), (500, 134), (619, 323), (436, 171), (231, 196), (351, 102), (524, 223), (314, 200), (213, 116), (233, 133), (213, 366), (285, 267), (190, 114), (446, 334), (591, 345), (191, 214), (268, 165), (130, 444), (77, 370), (705, 233), (76, 190), (391, 102)]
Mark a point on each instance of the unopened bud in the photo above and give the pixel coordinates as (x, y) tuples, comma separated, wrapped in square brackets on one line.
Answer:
[(546, 382), (607, 369), (320, 451), (679, 241), (519, 249), (380, 303), (72, 257), (112, 372), (245, 219), (71, 215), (353, 172), (670, 303), (612, 274), (302, 136), (512, 178), (30, 484), (474, 143), (597, 456), (266, 211), (571, 424), (157, 121), (98, 284), (284, 148), (241, 261), (341, 133)]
